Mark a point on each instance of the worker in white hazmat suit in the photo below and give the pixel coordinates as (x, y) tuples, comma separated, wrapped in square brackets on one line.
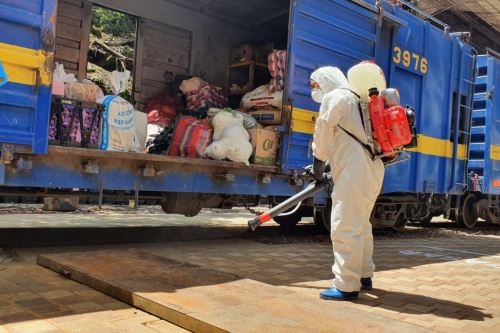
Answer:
[(357, 181)]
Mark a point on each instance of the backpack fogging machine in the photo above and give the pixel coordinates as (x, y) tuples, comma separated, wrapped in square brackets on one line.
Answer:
[(295, 201)]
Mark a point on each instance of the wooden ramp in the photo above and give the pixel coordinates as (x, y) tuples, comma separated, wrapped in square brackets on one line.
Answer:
[(205, 300)]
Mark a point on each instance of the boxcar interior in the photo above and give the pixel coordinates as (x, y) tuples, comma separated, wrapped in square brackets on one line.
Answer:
[(175, 37)]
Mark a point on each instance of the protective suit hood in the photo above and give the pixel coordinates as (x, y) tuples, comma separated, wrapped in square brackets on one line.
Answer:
[(328, 78)]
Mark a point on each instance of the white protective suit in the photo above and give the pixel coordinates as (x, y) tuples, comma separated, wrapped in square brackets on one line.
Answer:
[(357, 178)]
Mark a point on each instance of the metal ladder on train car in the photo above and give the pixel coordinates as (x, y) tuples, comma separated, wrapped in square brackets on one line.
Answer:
[(477, 144), (470, 85)]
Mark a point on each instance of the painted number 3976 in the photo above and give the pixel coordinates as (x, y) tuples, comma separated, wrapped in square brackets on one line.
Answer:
[(410, 60)]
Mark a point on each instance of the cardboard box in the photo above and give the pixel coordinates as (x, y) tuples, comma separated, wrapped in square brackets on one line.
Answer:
[(249, 51), (265, 146), (85, 92), (244, 52)]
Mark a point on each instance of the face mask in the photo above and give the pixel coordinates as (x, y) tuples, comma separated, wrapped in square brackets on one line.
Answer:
[(317, 95)]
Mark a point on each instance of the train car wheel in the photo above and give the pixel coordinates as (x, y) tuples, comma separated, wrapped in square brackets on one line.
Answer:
[(322, 217), (467, 214), (400, 223), (491, 218), (425, 221)]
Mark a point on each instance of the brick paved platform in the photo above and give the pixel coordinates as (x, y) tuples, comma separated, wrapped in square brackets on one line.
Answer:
[(37, 300), (445, 284)]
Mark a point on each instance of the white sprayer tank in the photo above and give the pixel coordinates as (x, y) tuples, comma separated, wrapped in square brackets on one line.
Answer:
[(364, 76)]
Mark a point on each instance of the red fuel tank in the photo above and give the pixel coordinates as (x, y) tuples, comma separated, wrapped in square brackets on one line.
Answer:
[(390, 125)]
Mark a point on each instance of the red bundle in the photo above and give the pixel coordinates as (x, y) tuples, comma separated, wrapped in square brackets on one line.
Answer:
[(162, 109)]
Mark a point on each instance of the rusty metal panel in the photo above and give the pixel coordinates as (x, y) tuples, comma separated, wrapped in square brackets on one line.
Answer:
[(205, 300)]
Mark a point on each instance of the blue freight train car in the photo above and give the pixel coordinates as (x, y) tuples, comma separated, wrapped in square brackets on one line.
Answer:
[(482, 199), (432, 69)]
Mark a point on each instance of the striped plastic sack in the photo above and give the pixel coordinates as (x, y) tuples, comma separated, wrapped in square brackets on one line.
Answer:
[(191, 137), (276, 62)]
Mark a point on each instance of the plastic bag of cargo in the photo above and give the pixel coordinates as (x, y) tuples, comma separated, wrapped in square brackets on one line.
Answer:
[(153, 131), (249, 122), (141, 129), (190, 85), (231, 139), (261, 98), (60, 75), (118, 131), (59, 78)]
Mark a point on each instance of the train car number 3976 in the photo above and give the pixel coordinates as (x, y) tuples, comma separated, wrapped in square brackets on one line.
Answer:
[(409, 60)]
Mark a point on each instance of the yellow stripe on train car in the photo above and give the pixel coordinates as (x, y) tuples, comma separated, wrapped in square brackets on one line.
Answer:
[(438, 147), (303, 122), (495, 152), (22, 64)]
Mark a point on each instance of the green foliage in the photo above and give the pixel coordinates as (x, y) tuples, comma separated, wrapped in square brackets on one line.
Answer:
[(112, 22)]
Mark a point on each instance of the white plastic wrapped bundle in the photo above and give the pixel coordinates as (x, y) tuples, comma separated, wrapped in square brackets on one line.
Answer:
[(231, 139)]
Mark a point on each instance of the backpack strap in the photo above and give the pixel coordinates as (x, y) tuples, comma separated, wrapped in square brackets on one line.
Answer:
[(364, 145), (359, 107), (348, 89)]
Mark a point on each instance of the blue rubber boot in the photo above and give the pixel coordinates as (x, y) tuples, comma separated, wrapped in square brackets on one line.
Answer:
[(366, 284), (333, 294)]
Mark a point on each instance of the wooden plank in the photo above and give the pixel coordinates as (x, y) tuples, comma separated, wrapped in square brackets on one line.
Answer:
[(68, 32), (84, 46), (170, 29), (69, 21), (151, 73), (77, 3), (161, 48), (166, 57), (67, 53), (205, 300), (166, 49), (159, 37), (152, 83), (55, 151), (149, 92), (67, 43), (139, 56), (68, 10), (164, 67)]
